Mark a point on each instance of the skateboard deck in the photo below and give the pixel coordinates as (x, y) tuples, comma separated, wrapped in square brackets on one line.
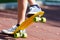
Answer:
[(28, 21)]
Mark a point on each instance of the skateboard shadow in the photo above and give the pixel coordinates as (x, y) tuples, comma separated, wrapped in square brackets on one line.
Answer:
[(6, 36), (52, 13)]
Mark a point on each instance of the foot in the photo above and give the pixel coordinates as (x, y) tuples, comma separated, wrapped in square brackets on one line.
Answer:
[(10, 31), (33, 9)]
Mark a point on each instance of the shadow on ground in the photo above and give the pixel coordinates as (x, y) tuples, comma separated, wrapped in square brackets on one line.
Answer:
[(6, 37), (52, 13)]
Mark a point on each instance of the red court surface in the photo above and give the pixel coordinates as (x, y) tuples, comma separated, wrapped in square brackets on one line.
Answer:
[(36, 31)]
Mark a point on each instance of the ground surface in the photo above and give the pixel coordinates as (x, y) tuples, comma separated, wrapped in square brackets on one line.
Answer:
[(36, 31)]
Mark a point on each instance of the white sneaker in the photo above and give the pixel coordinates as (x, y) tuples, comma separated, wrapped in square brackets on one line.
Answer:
[(33, 9), (10, 31)]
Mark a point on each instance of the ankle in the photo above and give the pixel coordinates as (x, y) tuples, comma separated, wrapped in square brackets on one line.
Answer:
[(18, 25)]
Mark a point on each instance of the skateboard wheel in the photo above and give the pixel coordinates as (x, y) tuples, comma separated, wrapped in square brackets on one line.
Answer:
[(43, 19), (24, 35), (17, 35), (36, 19)]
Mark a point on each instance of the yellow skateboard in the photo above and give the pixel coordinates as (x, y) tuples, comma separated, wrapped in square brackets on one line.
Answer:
[(26, 23)]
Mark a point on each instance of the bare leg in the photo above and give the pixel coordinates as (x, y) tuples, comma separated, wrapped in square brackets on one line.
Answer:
[(32, 2), (22, 6)]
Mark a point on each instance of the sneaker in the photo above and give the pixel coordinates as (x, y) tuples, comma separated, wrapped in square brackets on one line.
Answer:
[(33, 9), (10, 31)]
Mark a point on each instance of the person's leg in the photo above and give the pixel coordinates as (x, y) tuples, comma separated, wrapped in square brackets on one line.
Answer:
[(22, 6), (32, 2), (33, 7)]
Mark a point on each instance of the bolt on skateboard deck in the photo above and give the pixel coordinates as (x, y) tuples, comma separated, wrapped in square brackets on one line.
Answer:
[(28, 21)]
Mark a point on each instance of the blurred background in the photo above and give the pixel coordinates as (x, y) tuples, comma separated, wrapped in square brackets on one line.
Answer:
[(11, 4)]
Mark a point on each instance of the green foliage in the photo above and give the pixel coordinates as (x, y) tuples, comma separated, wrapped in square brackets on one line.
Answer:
[(6, 1)]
